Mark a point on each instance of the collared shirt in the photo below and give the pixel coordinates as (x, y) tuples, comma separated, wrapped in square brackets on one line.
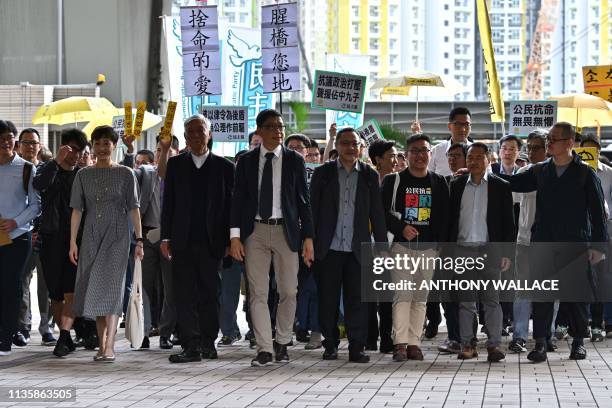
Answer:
[(343, 236), (473, 215), (439, 161), (277, 169), (527, 202), (14, 203), (199, 160)]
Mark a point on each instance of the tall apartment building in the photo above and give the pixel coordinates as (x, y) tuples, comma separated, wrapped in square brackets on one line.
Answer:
[(367, 27)]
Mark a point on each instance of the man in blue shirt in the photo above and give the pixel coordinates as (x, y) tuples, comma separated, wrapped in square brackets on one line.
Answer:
[(19, 205)]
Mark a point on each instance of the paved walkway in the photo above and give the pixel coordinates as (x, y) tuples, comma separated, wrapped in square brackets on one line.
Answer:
[(146, 379)]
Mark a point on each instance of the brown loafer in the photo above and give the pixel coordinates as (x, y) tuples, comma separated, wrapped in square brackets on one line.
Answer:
[(467, 353), (495, 354), (399, 353), (414, 353)]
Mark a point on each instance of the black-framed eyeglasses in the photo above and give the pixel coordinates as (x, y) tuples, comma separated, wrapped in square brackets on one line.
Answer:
[(462, 124), (29, 142), (419, 151), (275, 127)]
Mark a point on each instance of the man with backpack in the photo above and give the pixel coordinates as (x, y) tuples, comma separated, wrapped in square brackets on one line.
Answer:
[(570, 213)]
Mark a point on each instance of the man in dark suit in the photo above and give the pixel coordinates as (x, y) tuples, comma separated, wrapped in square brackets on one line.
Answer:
[(194, 233), (270, 218), (346, 201), (481, 212)]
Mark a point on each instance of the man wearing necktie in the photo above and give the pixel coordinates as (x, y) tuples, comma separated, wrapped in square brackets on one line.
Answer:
[(271, 221)]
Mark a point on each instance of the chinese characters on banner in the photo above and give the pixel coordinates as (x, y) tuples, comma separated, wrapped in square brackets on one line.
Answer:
[(526, 116), (356, 65), (201, 58), (228, 123), (598, 81), (280, 52), (338, 91), (370, 131), (496, 103)]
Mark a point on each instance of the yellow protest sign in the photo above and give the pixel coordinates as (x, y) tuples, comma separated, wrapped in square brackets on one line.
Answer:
[(127, 113), (598, 81), (589, 155), (165, 132), (140, 112), (496, 103)]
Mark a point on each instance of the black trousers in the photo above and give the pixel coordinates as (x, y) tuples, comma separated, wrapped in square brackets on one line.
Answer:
[(196, 288), (575, 315), (341, 271), (432, 312)]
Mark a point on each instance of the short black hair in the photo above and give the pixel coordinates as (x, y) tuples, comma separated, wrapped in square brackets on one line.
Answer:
[(148, 153), (333, 152), (298, 136), (460, 146), (483, 146), (174, 144), (253, 133), (313, 143), (104, 132), (5, 128), (459, 110), (590, 139), (29, 130), (265, 114), (12, 128), (75, 136), (345, 130), (538, 134), (519, 142), (378, 148), (568, 130), (415, 138)]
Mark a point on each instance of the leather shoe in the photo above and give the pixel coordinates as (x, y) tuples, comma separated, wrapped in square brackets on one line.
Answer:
[(467, 353), (495, 355), (359, 357), (330, 354), (386, 346), (165, 343), (280, 353), (431, 330), (400, 353), (186, 356), (414, 353), (578, 352), (538, 354), (209, 353)]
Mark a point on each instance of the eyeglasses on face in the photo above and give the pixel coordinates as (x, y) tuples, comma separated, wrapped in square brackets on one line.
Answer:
[(29, 142), (424, 150), (461, 124), (275, 127)]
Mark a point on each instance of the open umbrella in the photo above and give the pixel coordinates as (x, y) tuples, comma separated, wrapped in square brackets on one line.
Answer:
[(583, 110), (73, 110), (419, 83), (150, 120)]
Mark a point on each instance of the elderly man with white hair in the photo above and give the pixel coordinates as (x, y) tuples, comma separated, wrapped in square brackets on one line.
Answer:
[(195, 235)]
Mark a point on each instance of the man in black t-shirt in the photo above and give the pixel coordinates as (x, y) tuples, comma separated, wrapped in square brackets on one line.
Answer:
[(419, 216)]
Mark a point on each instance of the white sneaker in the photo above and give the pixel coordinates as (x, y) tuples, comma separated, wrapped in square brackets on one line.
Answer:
[(5, 352)]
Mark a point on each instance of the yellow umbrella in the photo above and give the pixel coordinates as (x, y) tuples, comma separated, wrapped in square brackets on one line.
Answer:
[(419, 83), (583, 110), (74, 109), (150, 120)]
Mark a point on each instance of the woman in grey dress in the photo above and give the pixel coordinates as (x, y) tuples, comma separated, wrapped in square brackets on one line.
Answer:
[(108, 194)]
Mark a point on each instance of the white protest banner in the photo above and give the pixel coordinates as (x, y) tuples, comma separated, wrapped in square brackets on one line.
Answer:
[(370, 131), (228, 123), (526, 116), (119, 125), (280, 53), (338, 91), (200, 45)]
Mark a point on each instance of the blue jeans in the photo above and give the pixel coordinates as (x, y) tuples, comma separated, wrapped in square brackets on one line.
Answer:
[(522, 312), (13, 258), (230, 297), (308, 303)]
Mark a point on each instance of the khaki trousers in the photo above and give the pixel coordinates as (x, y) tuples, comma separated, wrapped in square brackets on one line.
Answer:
[(268, 244), (409, 307)]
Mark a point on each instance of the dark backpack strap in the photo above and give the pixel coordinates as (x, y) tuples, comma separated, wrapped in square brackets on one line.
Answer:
[(27, 172)]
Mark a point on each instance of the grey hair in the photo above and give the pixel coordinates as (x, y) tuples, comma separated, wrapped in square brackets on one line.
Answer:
[(198, 116), (538, 133)]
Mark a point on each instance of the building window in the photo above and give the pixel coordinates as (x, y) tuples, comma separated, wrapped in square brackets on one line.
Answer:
[(392, 27), (373, 11), (497, 35), (446, 7), (392, 43), (373, 28), (446, 55), (392, 10), (445, 39), (513, 50), (514, 34), (374, 44), (445, 71), (356, 43), (445, 23), (374, 60), (515, 20), (355, 27), (355, 11)]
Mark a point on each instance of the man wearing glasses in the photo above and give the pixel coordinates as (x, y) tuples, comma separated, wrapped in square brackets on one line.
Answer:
[(568, 190), (270, 215), (460, 125)]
